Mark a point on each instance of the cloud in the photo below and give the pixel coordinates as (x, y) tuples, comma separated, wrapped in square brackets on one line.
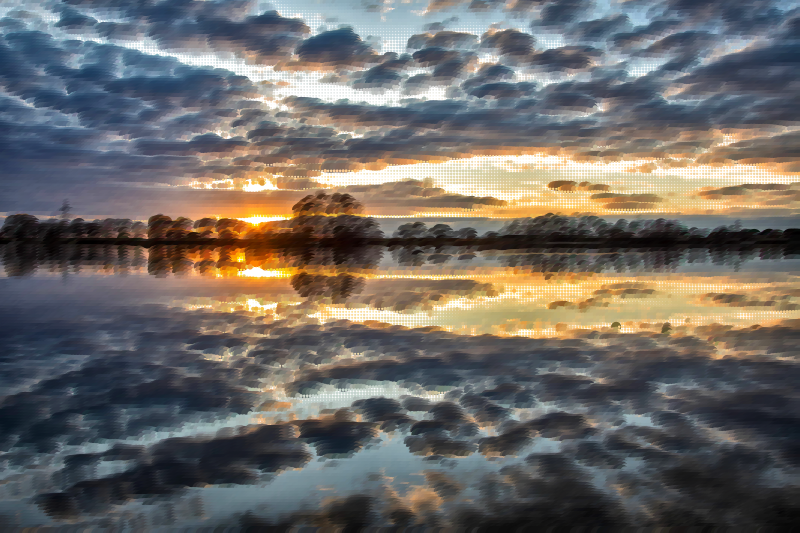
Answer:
[(557, 13), (334, 49), (565, 59), (601, 29), (627, 201), (442, 39), (202, 26), (489, 74), (778, 147), (387, 75), (511, 43), (208, 143), (750, 19), (766, 194), (656, 29), (72, 20), (765, 71)]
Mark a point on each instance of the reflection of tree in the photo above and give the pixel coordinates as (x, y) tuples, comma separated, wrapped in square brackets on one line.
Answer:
[(20, 259), (334, 259), (158, 263), (336, 288)]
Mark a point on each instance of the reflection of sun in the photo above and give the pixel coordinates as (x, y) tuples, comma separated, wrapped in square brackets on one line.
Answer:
[(258, 272)]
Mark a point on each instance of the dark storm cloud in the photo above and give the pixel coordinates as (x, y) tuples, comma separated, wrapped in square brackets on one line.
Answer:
[(189, 87), (682, 50), (263, 39), (335, 49), (561, 12), (790, 30), (120, 31), (654, 30), (501, 90), (741, 19), (565, 58), (783, 148), (454, 70), (208, 143), (248, 117), (598, 30), (488, 74), (191, 26), (555, 103), (432, 57), (509, 43), (442, 39), (111, 91), (72, 20), (767, 71), (387, 75)]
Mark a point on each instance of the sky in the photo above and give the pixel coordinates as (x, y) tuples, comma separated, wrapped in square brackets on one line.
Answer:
[(418, 108)]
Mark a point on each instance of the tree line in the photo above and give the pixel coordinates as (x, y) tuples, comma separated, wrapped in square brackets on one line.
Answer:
[(339, 217)]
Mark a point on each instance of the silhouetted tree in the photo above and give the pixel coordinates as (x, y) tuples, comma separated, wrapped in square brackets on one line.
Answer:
[(157, 226), (21, 226), (466, 233), (411, 230), (77, 228), (441, 230)]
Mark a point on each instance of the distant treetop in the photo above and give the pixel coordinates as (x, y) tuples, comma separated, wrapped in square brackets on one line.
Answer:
[(327, 204)]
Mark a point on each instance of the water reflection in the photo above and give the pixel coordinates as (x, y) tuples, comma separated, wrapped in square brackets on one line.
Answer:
[(23, 258)]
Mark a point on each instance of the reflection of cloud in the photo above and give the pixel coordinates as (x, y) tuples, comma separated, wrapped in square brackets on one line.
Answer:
[(422, 295), (572, 391), (606, 294), (777, 302), (177, 464)]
